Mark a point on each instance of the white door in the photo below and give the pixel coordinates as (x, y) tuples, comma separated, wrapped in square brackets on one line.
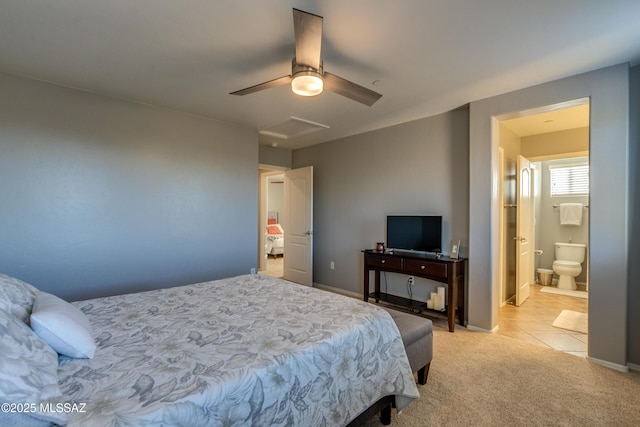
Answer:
[(524, 231), (297, 221)]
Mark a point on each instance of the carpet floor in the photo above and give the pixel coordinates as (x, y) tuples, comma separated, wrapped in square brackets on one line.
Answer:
[(480, 379)]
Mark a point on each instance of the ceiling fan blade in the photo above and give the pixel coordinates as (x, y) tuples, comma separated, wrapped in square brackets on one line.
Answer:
[(262, 86), (350, 90), (308, 32)]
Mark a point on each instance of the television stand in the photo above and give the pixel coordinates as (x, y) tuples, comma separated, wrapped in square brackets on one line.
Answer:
[(429, 266)]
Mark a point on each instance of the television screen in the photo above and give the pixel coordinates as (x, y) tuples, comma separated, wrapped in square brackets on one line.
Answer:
[(417, 233)]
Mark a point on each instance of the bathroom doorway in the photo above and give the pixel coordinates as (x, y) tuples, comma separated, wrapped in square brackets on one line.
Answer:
[(553, 140)]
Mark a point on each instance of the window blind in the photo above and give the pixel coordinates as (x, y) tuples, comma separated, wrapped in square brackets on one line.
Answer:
[(569, 180)]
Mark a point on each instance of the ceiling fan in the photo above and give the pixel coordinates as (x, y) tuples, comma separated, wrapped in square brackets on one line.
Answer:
[(308, 77)]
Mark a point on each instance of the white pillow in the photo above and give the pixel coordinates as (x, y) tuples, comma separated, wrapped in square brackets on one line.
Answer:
[(63, 326)]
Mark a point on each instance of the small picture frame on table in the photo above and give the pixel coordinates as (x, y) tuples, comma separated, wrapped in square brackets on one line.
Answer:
[(454, 253)]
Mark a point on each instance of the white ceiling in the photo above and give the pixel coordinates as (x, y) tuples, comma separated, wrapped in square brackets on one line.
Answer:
[(549, 121), (427, 56)]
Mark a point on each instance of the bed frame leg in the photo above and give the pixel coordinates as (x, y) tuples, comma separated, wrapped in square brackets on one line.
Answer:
[(385, 415), (423, 373)]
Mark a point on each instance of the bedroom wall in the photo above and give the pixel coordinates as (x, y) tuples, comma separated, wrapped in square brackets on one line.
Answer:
[(101, 196), (420, 167), (634, 217), (608, 90), (270, 157)]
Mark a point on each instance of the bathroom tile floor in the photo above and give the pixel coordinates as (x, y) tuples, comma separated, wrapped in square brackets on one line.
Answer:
[(533, 321)]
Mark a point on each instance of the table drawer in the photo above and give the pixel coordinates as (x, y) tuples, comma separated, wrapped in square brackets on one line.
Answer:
[(434, 269), (384, 261)]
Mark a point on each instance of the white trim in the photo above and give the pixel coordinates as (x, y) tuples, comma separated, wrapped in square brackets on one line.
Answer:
[(633, 366), (477, 329), (611, 365)]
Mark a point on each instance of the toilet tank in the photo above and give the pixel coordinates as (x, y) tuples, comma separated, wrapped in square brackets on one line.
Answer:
[(570, 251)]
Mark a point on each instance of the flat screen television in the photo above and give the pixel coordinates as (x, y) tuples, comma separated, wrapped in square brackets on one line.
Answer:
[(415, 233)]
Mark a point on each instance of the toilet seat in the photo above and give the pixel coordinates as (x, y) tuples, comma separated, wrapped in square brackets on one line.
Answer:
[(562, 263)]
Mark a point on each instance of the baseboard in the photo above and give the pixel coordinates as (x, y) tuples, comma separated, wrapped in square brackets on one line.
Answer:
[(477, 329), (337, 290), (633, 366), (610, 365)]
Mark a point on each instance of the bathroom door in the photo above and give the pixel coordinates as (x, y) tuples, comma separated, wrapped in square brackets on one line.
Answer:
[(524, 231)]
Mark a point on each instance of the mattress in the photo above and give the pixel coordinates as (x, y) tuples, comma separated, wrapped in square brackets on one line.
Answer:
[(247, 350)]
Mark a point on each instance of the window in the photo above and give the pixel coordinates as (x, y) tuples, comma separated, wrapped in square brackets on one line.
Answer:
[(569, 180)]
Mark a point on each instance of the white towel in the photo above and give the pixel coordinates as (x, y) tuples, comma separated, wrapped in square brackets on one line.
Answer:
[(570, 213)]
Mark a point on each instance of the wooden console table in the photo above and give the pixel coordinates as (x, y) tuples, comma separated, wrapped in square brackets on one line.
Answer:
[(441, 269)]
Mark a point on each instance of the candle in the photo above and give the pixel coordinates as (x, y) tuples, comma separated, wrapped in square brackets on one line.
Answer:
[(442, 297), (430, 304), (437, 303)]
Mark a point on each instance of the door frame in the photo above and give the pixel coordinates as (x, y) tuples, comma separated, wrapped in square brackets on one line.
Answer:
[(499, 174), (502, 230)]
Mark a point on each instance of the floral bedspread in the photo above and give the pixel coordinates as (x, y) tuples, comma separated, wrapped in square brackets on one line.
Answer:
[(248, 350)]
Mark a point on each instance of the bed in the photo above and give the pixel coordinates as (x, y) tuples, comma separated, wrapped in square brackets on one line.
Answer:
[(275, 240), (247, 350)]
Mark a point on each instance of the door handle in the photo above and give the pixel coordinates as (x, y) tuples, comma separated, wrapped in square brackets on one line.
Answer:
[(308, 233), (520, 239)]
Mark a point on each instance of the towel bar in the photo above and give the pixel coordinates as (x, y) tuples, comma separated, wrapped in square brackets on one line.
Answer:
[(585, 206)]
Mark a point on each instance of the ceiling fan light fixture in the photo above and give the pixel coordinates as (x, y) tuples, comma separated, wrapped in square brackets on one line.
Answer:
[(307, 83), (307, 75)]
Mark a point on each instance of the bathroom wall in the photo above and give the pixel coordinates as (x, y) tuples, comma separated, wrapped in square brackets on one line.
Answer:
[(536, 168), (565, 143), (548, 226)]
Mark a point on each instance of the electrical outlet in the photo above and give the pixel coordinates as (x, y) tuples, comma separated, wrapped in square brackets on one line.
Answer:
[(253, 271), (333, 265), (410, 280)]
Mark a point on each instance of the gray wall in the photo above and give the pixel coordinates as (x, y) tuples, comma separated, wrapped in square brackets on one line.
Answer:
[(272, 156), (102, 197), (609, 92), (634, 218), (420, 167)]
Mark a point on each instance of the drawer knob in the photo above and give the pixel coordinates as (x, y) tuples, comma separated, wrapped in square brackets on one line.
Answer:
[(422, 267), (383, 261)]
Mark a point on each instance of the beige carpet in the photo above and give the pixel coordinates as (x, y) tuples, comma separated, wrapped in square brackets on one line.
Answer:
[(572, 321), (480, 379)]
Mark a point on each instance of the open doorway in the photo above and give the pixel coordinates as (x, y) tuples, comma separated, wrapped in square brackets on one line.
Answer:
[(288, 211), (543, 157), (271, 242)]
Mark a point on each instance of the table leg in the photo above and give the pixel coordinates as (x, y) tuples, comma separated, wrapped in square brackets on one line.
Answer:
[(366, 283), (451, 306)]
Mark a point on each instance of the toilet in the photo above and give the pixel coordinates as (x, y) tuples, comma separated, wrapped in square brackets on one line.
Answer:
[(568, 263)]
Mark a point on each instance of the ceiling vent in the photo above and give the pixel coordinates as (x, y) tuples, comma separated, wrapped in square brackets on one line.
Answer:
[(292, 127)]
